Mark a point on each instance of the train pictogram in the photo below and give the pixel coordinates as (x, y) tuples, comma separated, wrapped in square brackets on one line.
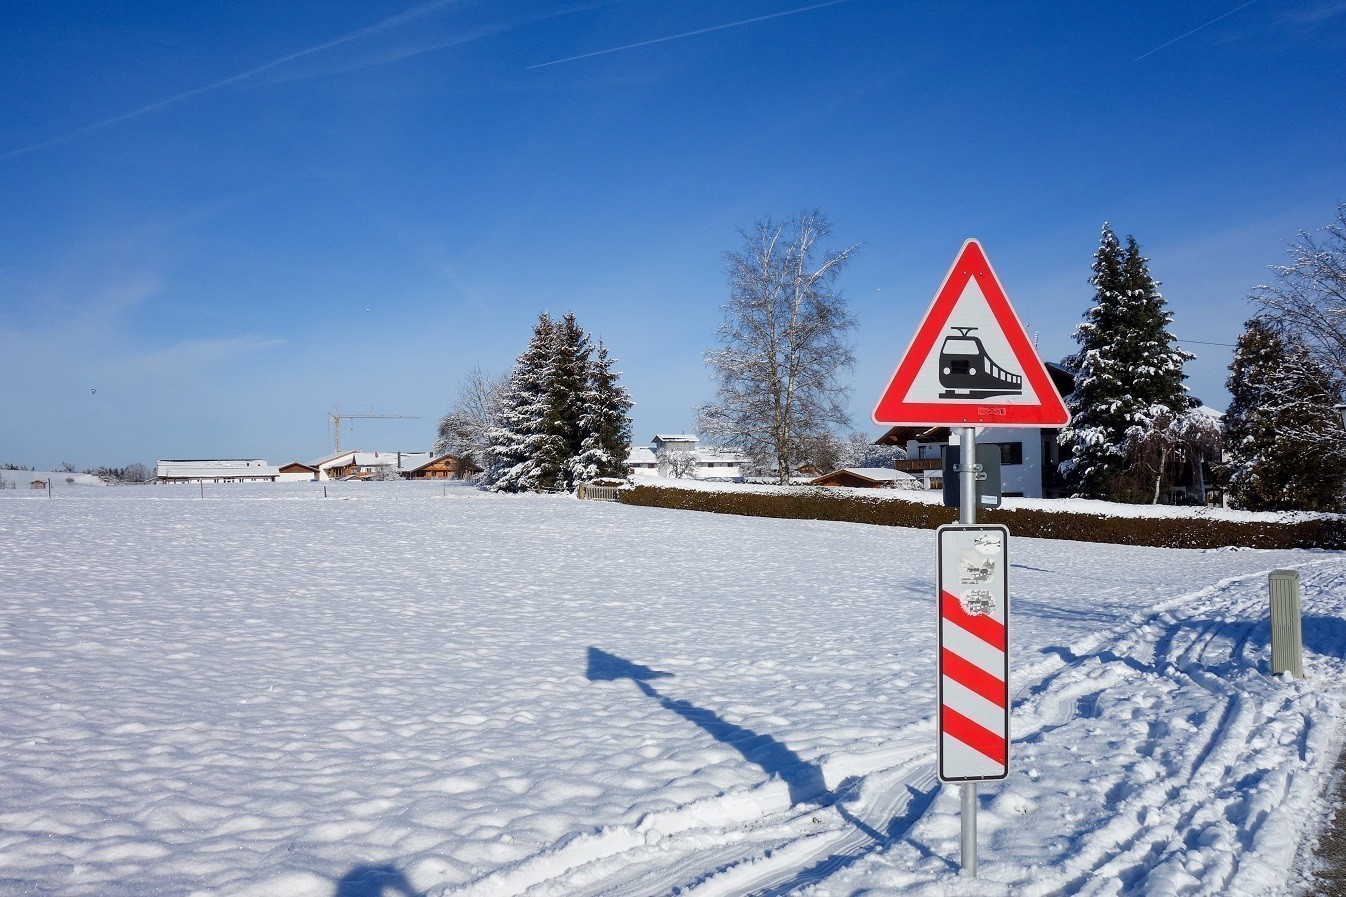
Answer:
[(966, 371)]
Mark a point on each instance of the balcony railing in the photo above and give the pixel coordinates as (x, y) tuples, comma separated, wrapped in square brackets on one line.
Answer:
[(916, 465)]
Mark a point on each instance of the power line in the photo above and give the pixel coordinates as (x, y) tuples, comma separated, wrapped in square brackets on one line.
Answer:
[(1204, 343)]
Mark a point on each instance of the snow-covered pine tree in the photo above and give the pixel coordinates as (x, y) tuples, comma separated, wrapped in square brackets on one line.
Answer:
[(567, 382), (605, 425), (514, 441), (1286, 443), (1128, 373), (562, 416)]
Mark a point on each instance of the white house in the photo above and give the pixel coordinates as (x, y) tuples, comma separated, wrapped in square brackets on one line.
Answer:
[(681, 455), (1029, 456), (224, 470)]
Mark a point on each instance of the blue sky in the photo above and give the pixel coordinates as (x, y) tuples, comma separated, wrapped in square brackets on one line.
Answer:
[(218, 221)]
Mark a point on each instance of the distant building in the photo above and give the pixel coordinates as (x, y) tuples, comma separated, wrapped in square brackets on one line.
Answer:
[(38, 484), (228, 470), (681, 455), (297, 472), (358, 465), (445, 467)]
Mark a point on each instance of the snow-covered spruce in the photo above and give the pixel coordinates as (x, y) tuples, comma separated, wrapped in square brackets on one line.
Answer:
[(562, 415), (1128, 374), (1285, 441)]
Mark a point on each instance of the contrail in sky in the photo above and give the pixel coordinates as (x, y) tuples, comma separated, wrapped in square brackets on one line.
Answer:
[(1193, 31), (660, 40), (393, 21)]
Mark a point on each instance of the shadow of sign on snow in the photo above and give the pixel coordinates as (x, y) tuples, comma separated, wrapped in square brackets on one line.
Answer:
[(375, 881), (805, 779)]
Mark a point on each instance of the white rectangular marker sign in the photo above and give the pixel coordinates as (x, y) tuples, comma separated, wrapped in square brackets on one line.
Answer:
[(973, 656)]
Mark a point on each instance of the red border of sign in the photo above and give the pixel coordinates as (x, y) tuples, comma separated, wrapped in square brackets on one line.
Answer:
[(1050, 410), (939, 651)]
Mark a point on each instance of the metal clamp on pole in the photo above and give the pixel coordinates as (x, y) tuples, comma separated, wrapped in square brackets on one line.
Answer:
[(1287, 638)]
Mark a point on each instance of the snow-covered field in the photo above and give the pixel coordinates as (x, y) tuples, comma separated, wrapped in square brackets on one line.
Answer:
[(407, 689)]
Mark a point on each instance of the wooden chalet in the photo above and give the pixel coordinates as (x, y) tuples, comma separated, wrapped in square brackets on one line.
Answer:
[(445, 467)]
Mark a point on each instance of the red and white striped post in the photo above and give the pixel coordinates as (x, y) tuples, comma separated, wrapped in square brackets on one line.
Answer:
[(973, 659)]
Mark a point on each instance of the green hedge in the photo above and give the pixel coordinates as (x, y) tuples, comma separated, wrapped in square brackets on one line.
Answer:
[(1160, 532)]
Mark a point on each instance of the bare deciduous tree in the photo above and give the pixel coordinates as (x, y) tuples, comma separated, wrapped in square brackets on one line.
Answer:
[(138, 473), (678, 463), (1309, 294), (782, 344), (464, 430), (1160, 451)]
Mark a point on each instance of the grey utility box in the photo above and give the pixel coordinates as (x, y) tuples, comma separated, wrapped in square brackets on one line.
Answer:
[(1287, 637), (988, 479)]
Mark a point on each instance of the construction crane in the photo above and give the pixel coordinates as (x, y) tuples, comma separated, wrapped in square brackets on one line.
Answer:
[(337, 416)]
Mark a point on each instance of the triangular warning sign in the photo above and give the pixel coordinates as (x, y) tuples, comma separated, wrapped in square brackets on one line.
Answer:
[(971, 363)]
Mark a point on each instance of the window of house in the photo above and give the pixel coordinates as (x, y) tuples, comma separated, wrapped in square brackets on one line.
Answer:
[(1010, 452)]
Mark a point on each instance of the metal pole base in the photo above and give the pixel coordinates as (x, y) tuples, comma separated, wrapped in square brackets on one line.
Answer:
[(969, 818)]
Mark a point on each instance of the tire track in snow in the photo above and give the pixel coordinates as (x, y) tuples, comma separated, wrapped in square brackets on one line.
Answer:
[(680, 847), (755, 843), (1141, 838)]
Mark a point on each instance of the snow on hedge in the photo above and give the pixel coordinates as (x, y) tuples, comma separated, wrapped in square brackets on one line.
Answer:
[(1051, 505)]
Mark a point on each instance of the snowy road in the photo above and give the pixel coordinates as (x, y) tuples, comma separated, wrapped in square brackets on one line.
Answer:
[(268, 693)]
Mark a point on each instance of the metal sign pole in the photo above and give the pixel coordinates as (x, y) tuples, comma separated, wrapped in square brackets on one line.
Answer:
[(967, 514)]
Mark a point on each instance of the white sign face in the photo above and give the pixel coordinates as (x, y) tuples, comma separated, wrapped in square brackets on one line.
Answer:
[(973, 657), (972, 361)]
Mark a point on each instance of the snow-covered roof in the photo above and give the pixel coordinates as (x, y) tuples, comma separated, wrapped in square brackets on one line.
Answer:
[(432, 459), (209, 466), (641, 455), (400, 460), (720, 454), (881, 474), (229, 463), (213, 469)]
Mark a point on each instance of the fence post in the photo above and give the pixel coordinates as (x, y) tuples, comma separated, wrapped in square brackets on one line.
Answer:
[(1287, 638)]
